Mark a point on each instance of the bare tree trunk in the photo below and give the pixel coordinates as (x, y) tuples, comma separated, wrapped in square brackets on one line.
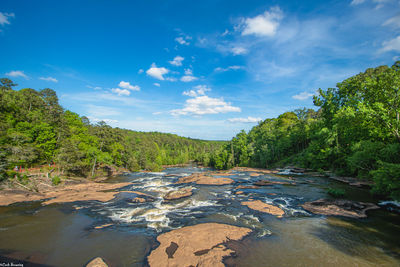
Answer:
[(94, 165)]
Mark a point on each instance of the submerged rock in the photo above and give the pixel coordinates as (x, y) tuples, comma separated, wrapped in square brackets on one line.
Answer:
[(198, 245), (139, 200), (181, 193), (340, 207), (247, 187), (268, 183), (264, 207), (200, 178), (97, 262)]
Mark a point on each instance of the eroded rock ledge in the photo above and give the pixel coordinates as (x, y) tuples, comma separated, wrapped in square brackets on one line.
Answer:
[(340, 207), (200, 178), (69, 193), (198, 245)]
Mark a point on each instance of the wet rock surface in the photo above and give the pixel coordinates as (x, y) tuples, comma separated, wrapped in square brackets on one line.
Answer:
[(200, 178), (198, 245), (97, 262), (269, 183), (339, 207), (178, 194), (264, 207)]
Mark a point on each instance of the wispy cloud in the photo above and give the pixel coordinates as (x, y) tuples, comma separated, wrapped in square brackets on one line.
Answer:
[(303, 96), (245, 120), (121, 92), (234, 67), (49, 79), (17, 73), (188, 77), (177, 61), (5, 18), (156, 84), (391, 45), (183, 40)]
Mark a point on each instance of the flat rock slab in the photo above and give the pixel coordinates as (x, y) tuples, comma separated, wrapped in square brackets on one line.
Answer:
[(97, 262), (264, 207), (202, 179), (181, 193), (69, 193), (198, 245), (339, 207), (263, 171), (247, 187)]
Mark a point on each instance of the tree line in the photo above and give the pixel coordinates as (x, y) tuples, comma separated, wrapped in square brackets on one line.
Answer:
[(354, 132), (36, 130)]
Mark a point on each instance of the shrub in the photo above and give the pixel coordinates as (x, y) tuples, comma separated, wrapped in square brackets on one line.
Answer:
[(335, 192), (56, 180)]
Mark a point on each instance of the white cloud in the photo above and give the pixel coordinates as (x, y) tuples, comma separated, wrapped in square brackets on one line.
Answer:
[(177, 61), (263, 25), (4, 18), (237, 50), (394, 22), (128, 86), (108, 121), (181, 41), (140, 71), (94, 87), (157, 113), (244, 120), (188, 77), (234, 67), (201, 104), (357, 2), (157, 72), (303, 96), (156, 84), (197, 91), (171, 79), (17, 73), (49, 79), (391, 45), (121, 92)]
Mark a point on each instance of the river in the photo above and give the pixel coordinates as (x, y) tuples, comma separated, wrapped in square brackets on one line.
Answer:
[(68, 234)]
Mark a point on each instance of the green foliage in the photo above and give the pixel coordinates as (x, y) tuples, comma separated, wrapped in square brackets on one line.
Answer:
[(35, 130), (387, 180), (56, 180), (335, 192), (356, 132)]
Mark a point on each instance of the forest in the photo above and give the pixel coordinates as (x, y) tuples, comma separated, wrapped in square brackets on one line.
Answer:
[(35, 131), (354, 132)]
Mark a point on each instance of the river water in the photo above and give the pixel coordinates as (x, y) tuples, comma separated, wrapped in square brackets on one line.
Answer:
[(66, 234)]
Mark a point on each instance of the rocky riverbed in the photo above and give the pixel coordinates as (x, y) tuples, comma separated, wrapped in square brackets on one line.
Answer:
[(196, 216)]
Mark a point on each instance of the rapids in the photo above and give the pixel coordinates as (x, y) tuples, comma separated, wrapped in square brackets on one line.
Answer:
[(66, 234)]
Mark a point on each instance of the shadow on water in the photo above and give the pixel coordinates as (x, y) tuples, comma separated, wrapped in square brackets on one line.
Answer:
[(380, 231)]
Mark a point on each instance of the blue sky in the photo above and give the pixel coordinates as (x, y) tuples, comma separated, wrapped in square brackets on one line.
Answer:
[(203, 69)]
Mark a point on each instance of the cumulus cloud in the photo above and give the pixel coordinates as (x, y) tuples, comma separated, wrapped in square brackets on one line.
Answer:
[(265, 24), (238, 50), (128, 86), (4, 18), (201, 104), (245, 120), (391, 45), (303, 96), (234, 67), (156, 72), (188, 77), (121, 92), (49, 79), (177, 61), (140, 71), (197, 91), (17, 73)]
